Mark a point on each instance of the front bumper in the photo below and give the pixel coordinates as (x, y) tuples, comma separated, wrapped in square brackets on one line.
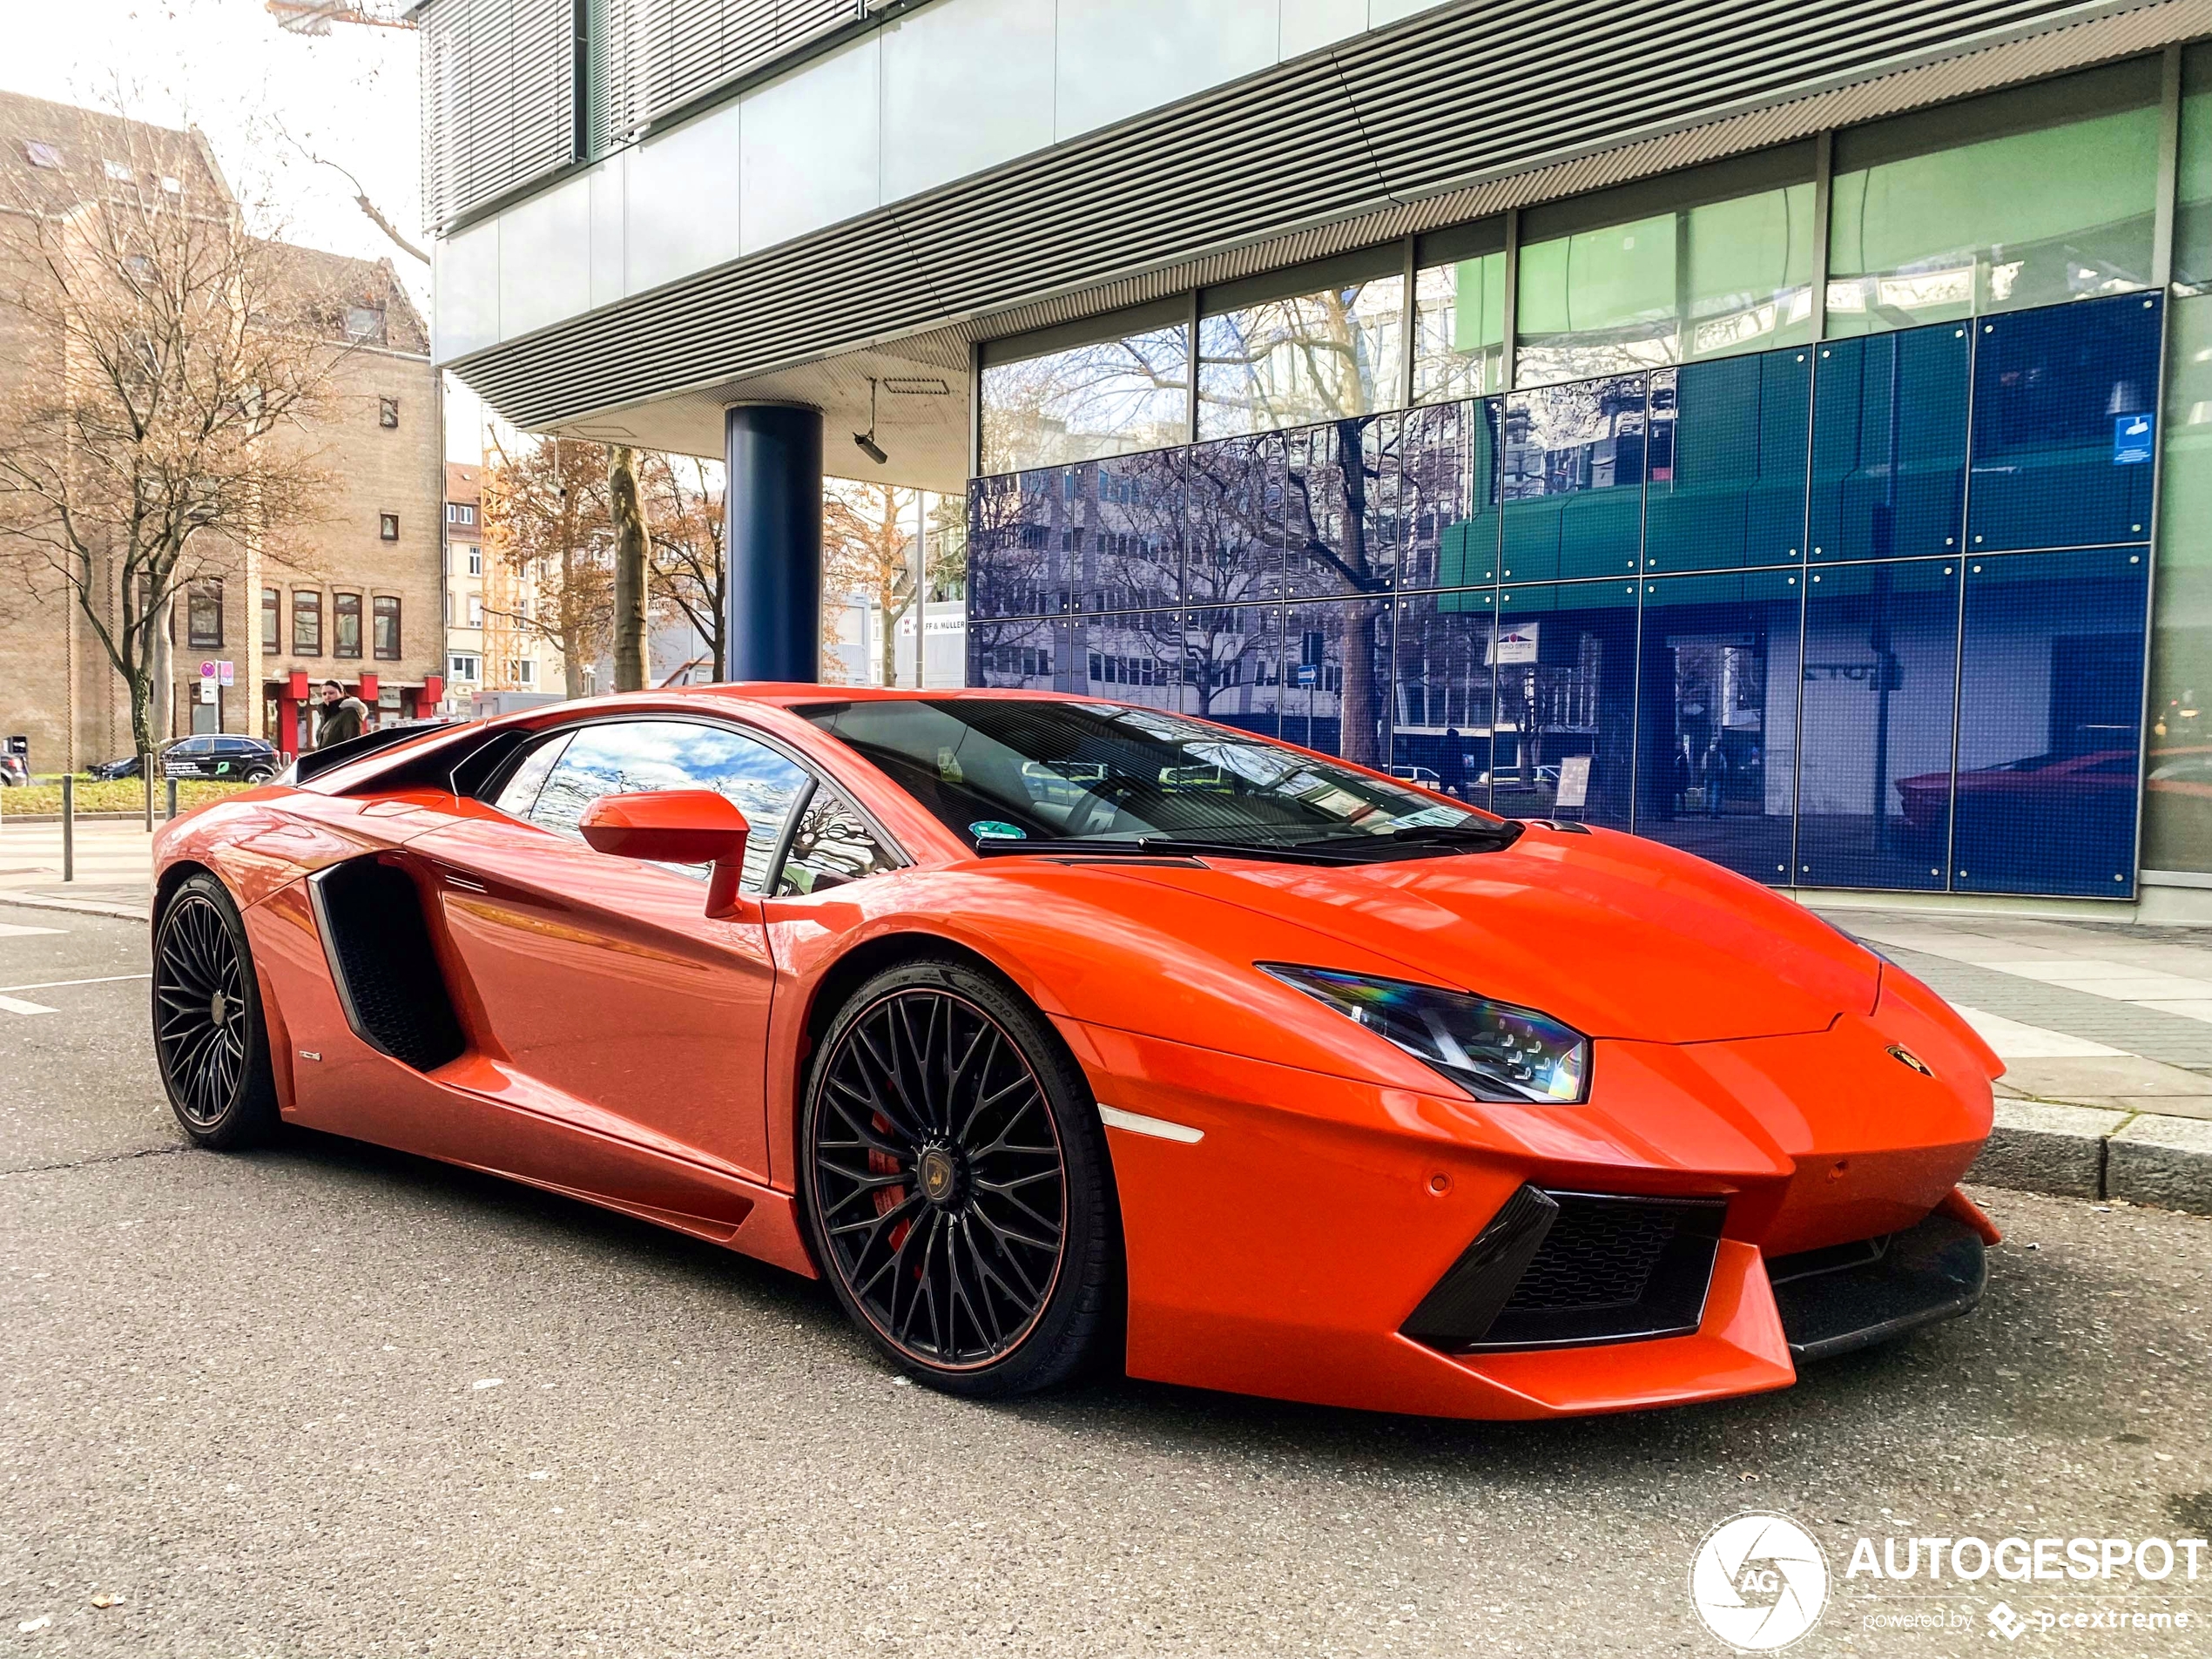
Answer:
[(1284, 1253)]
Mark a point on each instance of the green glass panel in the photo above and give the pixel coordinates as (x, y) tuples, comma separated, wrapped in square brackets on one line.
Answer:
[(2177, 794), (2030, 219), (1460, 328)]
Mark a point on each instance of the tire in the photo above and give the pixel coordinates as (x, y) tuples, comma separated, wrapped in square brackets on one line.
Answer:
[(210, 1039), (257, 775), (975, 1257)]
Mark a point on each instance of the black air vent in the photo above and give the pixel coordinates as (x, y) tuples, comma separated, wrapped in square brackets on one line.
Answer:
[(1569, 1269), (380, 957)]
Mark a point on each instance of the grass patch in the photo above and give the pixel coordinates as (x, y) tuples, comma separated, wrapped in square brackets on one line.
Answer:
[(116, 795)]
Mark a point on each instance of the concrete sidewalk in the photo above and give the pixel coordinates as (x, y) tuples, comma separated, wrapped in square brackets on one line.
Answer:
[(114, 865), (2105, 1028)]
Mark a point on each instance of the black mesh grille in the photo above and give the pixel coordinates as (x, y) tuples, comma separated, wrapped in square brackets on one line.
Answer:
[(1597, 1254), (385, 969)]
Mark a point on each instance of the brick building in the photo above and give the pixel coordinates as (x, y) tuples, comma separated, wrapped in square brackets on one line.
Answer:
[(355, 598)]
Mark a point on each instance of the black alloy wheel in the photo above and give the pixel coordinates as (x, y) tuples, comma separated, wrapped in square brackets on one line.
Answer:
[(208, 1028), (958, 1190)]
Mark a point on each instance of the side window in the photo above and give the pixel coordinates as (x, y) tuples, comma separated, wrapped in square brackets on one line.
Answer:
[(831, 845), (519, 793), (633, 756)]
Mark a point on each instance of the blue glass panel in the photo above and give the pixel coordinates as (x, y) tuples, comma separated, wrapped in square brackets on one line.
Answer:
[(1565, 735), (1014, 527), (1129, 539), (1728, 463), (1232, 503), (1444, 691), (1466, 550), (1233, 665), (1434, 462), (1339, 520), (1573, 483), (1717, 740), (1131, 658), (1889, 444), (2066, 403), (1874, 768), (1023, 655), (1335, 668), (2050, 724)]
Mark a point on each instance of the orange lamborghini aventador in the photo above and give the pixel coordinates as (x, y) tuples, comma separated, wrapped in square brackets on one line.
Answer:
[(1056, 1032)]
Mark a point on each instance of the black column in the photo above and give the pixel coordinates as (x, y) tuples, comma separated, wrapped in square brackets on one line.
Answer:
[(775, 507)]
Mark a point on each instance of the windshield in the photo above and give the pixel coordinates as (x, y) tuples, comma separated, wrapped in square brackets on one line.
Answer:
[(1000, 773)]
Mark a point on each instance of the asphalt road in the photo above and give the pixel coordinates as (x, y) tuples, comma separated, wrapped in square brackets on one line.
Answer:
[(325, 1400)]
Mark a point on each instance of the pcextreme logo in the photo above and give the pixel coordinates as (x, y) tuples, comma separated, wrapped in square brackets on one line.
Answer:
[(1758, 1581)]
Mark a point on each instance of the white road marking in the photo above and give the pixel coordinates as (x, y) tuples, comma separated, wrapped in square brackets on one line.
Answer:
[(16, 930), (1137, 1123), (2013, 1040), (56, 984), (10, 1005)]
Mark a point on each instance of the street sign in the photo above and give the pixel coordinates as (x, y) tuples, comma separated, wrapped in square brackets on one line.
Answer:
[(1574, 782), (1309, 673), (207, 690), (207, 669), (227, 673)]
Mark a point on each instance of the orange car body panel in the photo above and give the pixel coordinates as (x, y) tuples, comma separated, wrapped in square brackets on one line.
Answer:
[(623, 1047)]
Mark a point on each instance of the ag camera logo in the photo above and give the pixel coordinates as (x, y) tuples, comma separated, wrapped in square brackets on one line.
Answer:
[(1759, 1581)]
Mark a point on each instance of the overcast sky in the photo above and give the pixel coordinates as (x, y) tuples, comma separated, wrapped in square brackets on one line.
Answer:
[(225, 66)]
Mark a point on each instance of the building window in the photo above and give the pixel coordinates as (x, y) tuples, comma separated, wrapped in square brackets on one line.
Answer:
[(1459, 312), (1294, 347), (345, 624), (387, 412), (2053, 201), (365, 324), (476, 610), (385, 618), (1075, 401), (522, 671), (1610, 286), (387, 527), (475, 561), (460, 512), (118, 172), (307, 624), (462, 665), (272, 608), (203, 615), (42, 155)]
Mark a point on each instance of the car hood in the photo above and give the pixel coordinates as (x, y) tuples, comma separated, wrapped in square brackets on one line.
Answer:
[(1618, 936)]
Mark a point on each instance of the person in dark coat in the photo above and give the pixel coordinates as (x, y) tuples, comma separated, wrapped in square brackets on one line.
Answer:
[(1451, 768), (343, 717)]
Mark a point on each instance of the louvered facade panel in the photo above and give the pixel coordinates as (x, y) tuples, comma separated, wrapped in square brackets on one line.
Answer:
[(499, 89), (1389, 134), (687, 47)]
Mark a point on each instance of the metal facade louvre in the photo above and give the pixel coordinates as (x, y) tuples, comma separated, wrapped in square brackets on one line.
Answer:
[(683, 48), (1447, 117), (499, 108)]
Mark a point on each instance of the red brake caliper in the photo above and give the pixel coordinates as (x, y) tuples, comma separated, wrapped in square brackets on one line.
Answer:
[(888, 1199)]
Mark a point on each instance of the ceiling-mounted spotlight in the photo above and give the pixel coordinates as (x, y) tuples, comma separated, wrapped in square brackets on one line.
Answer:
[(866, 440)]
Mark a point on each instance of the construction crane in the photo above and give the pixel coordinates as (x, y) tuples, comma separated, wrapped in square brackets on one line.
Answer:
[(315, 17)]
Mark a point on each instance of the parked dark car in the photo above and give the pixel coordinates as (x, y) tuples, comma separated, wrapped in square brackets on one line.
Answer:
[(14, 772), (207, 755)]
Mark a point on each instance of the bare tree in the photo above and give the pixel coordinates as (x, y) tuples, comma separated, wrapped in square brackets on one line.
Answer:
[(691, 570), (867, 548), (631, 545), (174, 362), (546, 517)]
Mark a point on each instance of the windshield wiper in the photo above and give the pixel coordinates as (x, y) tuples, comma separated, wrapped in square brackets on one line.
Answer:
[(1154, 846)]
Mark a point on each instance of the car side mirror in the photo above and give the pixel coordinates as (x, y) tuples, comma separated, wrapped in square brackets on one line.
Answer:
[(675, 827)]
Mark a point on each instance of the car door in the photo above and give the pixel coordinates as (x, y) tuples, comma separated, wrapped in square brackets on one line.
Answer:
[(602, 978), (188, 758)]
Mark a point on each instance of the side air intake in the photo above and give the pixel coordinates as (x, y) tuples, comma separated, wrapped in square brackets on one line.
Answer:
[(1556, 1269), (370, 916)]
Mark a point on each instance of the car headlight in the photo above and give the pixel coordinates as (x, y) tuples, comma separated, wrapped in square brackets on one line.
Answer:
[(1493, 1050)]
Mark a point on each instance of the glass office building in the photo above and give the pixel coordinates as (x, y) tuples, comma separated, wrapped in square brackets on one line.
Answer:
[(1841, 511)]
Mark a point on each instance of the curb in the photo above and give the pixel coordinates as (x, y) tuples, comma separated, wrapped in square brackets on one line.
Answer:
[(83, 907), (2091, 1152)]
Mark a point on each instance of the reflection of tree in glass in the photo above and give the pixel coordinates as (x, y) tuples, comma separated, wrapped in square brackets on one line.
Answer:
[(1108, 398), (1311, 357)]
